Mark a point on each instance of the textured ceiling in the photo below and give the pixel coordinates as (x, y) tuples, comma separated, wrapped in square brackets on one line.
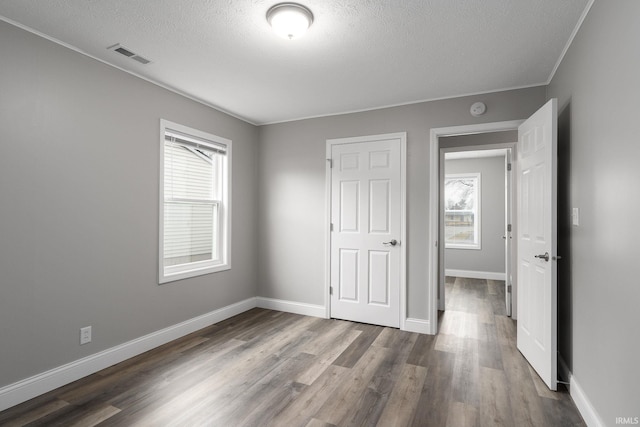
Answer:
[(358, 54)]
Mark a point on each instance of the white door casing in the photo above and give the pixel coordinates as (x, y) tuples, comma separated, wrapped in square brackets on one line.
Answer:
[(508, 232), (366, 213), (537, 241)]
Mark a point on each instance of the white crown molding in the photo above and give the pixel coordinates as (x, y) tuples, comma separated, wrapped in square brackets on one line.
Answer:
[(570, 41)]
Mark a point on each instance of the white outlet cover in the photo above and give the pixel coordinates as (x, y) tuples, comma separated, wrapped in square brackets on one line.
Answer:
[(85, 335)]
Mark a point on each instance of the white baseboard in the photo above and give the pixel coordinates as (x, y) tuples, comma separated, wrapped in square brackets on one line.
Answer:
[(586, 409), (26, 389), (418, 325), (292, 307), (489, 275)]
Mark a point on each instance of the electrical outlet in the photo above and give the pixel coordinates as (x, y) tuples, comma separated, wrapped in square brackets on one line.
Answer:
[(85, 335)]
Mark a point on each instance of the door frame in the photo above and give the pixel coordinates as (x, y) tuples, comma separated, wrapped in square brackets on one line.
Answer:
[(434, 203), (402, 136), (509, 158)]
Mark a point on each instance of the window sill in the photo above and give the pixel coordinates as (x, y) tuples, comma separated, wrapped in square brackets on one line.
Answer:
[(465, 247), (166, 278)]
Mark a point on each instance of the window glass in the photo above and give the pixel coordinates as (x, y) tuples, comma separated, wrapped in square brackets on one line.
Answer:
[(462, 214)]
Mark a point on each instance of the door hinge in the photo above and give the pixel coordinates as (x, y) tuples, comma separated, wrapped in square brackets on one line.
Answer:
[(330, 163), (509, 228), (508, 289), (331, 226), (508, 166), (330, 290)]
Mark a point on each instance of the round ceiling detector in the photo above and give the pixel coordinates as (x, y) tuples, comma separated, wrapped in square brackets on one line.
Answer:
[(478, 109), (289, 20)]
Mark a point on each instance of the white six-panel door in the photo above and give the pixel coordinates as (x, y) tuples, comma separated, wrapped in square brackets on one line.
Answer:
[(537, 241), (366, 221)]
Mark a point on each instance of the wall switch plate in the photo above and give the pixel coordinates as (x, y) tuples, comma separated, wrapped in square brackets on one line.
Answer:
[(575, 217), (85, 335)]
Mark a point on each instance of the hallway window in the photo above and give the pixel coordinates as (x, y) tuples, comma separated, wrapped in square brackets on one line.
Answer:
[(194, 208), (462, 211)]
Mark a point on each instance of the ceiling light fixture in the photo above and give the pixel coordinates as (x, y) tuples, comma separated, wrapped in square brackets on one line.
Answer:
[(289, 20)]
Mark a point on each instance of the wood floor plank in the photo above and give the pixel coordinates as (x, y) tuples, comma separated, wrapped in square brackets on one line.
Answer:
[(247, 406), (466, 374), (324, 341), (404, 397), (526, 408), (489, 352), (305, 406), (35, 413), (360, 345), (326, 358), (495, 404), (421, 350), (435, 395), (460, 324), (85, 415), (485, 311), (462, 415), (94, 417), (266, 410), (370, 406), (317, 423), (541, 387), (448, 343), (352, 386)]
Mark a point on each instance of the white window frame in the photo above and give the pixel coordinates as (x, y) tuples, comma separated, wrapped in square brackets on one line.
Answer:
[(478, 213), (197, 268)]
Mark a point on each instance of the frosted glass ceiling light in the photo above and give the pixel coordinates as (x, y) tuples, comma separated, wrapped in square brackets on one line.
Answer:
[(289, 20)]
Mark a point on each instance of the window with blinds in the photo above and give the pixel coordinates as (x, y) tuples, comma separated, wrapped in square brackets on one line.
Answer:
[(194, 202)]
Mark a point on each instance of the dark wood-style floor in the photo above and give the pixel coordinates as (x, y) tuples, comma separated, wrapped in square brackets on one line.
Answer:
[(267, 368)]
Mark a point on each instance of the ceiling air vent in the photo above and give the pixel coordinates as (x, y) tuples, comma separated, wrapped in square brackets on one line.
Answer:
[(129, 54), (140, 59)]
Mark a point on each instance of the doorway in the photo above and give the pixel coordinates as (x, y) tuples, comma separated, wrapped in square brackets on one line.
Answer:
[(476, 221), (536, 183), (435, 178)]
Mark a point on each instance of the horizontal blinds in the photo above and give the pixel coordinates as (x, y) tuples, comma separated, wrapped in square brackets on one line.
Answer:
[(189, 229), (194, 142), (191, 198), (187, 175)]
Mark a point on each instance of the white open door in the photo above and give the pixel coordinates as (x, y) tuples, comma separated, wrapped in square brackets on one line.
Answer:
[(366, 220), (537, 241)]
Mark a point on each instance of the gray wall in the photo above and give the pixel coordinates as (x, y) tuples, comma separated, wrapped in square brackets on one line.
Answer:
[(292, 188), (79, 164), (597, 85), (479, 139), (491, 256)]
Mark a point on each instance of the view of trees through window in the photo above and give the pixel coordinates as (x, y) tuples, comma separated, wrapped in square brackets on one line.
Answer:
[(461, 219)]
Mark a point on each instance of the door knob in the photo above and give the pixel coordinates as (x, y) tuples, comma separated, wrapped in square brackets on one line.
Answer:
[(393, 242), (544, 257)]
